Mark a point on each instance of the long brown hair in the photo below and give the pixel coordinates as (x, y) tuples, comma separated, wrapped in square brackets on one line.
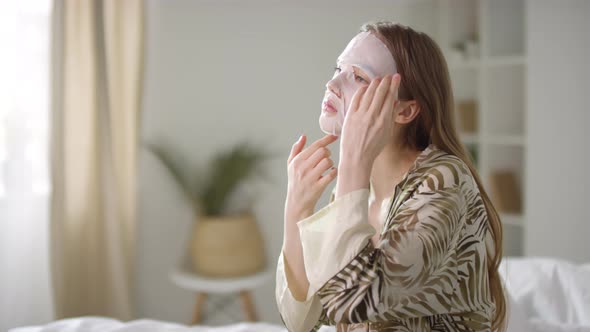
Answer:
[(425, 78)]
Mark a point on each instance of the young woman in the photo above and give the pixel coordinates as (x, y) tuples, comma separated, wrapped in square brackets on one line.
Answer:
[(410, 240)]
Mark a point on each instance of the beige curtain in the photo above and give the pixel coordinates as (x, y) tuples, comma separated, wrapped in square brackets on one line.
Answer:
[(97, 74)]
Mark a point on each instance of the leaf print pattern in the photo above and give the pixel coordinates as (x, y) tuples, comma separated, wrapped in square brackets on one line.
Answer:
[(428, 271)]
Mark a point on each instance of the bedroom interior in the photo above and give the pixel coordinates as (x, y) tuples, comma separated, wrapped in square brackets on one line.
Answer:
[(129, 201)]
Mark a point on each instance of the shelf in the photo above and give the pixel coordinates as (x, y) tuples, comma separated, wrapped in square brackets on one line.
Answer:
[(466, 64), (505, 157), (503, 25), (485, 47), (490, 61), (512, 219), (504, 60), (503, 105), (510, 140), (469, 139), (507, 140)]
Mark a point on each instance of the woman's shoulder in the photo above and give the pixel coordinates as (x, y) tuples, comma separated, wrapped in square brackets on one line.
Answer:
[(439, 169)]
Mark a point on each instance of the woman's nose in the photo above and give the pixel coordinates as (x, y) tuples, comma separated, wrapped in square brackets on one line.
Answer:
[(333, 87)]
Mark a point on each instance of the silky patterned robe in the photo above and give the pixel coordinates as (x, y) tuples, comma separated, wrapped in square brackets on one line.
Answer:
[(427, 273)]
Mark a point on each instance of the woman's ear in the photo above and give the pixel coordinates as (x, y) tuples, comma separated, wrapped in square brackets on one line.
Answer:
[(407, 110)]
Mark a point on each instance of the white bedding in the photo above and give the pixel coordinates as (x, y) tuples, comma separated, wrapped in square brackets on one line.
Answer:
[(545, 295), (101, 324)]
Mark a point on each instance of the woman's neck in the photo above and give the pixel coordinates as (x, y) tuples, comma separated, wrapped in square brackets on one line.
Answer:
[(389, 167)]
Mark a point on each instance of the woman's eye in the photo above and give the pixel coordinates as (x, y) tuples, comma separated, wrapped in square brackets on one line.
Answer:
[(356, 77), (360, 79)]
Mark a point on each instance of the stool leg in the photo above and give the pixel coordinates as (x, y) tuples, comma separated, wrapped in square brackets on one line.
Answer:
[(197, 317), (248, 306)]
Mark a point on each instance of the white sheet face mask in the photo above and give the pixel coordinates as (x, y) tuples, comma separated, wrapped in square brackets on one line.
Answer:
[(369, 54)]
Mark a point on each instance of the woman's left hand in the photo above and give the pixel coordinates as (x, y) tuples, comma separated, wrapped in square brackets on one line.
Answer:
[(366, 130)]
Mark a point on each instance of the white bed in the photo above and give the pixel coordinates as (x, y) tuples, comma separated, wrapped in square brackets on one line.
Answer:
[(545, 295), (101, 324)]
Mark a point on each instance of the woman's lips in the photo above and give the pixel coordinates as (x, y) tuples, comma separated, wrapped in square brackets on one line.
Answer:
[(328, 107)]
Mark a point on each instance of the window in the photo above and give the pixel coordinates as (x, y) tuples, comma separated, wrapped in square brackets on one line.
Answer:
[(24, 96), (24, 172)]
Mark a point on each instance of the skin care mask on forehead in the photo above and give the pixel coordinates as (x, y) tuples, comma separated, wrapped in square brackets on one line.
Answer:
[(369, 54)]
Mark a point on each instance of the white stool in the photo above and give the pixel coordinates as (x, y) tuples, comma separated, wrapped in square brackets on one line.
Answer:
[(183, 276)]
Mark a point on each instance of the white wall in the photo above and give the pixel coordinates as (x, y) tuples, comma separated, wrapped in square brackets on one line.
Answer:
[(558, 152), (218, 72), (25, 283)]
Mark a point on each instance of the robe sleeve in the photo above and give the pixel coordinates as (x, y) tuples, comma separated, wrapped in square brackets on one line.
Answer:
[(298, 316), (411, 273)]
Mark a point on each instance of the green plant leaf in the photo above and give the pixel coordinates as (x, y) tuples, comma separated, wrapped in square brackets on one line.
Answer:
[(210, 191)]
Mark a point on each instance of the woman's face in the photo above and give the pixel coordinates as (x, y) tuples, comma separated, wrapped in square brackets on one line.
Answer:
[(364, 58)]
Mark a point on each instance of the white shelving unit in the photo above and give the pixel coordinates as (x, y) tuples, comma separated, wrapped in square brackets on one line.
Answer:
[(493, 77)]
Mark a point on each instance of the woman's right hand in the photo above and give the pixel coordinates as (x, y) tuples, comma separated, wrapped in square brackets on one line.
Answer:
[(306, 182)]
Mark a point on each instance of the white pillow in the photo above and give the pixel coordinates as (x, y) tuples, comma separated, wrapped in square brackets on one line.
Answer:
[(517, 320), (547, 289)]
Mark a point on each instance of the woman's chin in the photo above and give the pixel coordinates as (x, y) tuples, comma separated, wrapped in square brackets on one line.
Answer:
[(329, 126)]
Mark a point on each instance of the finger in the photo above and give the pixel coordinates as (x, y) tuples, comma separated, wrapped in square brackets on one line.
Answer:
[(326, 179), (395, 83), (316, 157), (356, 99), (297, 147), (388, 106), (324, 141), (368, 96), (380, 95), (392, 94), (321, 167)]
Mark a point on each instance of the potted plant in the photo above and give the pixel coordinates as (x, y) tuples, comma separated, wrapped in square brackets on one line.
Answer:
[(224, 243)]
